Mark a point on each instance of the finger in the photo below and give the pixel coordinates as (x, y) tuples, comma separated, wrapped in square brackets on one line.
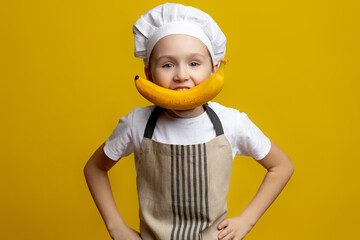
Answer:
[(224, 223), (224, 233), (229, 236)]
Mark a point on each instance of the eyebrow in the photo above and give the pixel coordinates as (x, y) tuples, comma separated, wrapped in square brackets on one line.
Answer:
[(192, 55), (163, 56)]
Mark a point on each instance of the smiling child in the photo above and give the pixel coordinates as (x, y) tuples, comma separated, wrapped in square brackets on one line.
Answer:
[(183, 158)]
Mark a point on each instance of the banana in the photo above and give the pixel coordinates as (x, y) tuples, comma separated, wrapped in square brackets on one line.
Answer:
[(182, 100)]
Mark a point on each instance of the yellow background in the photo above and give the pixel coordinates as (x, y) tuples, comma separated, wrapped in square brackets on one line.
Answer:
[(67, 70)]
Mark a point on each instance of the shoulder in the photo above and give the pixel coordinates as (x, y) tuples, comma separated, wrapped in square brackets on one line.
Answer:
[(138, 114), (142, 111), (227, 113), (133, 121), (233, 120), (244, 136), (127, 135), (219, 108)]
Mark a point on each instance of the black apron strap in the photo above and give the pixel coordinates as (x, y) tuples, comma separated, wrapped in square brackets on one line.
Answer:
[(150, 126), (215, 120)]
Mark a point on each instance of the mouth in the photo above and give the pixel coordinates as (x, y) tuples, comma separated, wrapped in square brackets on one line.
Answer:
[(181, 88)]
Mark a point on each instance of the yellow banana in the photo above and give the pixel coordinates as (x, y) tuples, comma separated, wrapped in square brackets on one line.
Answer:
[(182, 100)]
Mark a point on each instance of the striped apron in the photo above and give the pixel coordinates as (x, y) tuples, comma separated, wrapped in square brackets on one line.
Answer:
[(182, 189)]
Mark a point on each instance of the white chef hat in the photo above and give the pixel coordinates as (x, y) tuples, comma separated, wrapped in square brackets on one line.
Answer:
[(171, 18)]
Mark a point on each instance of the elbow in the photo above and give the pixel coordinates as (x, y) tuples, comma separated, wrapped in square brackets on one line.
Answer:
[(290, 168), (285, 169), (87, 169)]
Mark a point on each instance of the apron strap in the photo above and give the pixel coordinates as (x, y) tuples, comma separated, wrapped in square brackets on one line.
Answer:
[(215, 120), (150, 126)]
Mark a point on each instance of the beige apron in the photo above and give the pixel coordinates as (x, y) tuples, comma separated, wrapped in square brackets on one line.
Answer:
[(182, 189)]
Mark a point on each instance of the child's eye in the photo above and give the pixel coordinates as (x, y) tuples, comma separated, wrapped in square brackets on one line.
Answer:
[(193, 64), (168, 65)]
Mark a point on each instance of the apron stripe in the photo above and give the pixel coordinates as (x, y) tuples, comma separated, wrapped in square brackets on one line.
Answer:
[(195, 193), (184, 205), (178, 191), (172, 192), (189, 192), (201, 189), (206, 189)]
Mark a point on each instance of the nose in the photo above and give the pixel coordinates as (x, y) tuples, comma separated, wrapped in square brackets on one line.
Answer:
[(181, 74)]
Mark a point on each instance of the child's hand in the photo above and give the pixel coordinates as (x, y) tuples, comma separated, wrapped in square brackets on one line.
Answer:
[(125, 234), (234, 228)]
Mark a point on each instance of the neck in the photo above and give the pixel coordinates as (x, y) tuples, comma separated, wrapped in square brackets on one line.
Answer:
[(186, 113)]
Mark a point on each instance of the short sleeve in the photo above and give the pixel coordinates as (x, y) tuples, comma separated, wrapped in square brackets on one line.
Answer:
[(120, 143), (250, 140)]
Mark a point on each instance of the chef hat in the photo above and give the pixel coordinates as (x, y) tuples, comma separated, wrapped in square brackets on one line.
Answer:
[(171, 18)]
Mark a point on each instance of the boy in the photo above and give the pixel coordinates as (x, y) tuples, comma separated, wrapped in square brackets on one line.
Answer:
[(183, 158)]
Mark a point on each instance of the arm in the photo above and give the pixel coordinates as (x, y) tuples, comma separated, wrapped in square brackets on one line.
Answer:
[(98, 182), (279, 170)]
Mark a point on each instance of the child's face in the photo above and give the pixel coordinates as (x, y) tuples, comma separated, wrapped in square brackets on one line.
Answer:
[(180, 62)]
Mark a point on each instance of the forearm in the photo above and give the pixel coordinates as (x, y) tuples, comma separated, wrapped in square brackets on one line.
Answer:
[(273, 183), (99, 186)]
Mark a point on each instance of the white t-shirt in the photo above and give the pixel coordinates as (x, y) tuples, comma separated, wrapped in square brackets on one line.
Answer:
[(245, 137)]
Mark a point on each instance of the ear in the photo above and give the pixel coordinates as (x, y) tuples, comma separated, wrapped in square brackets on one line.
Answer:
[(148, 74), (215, 67)]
